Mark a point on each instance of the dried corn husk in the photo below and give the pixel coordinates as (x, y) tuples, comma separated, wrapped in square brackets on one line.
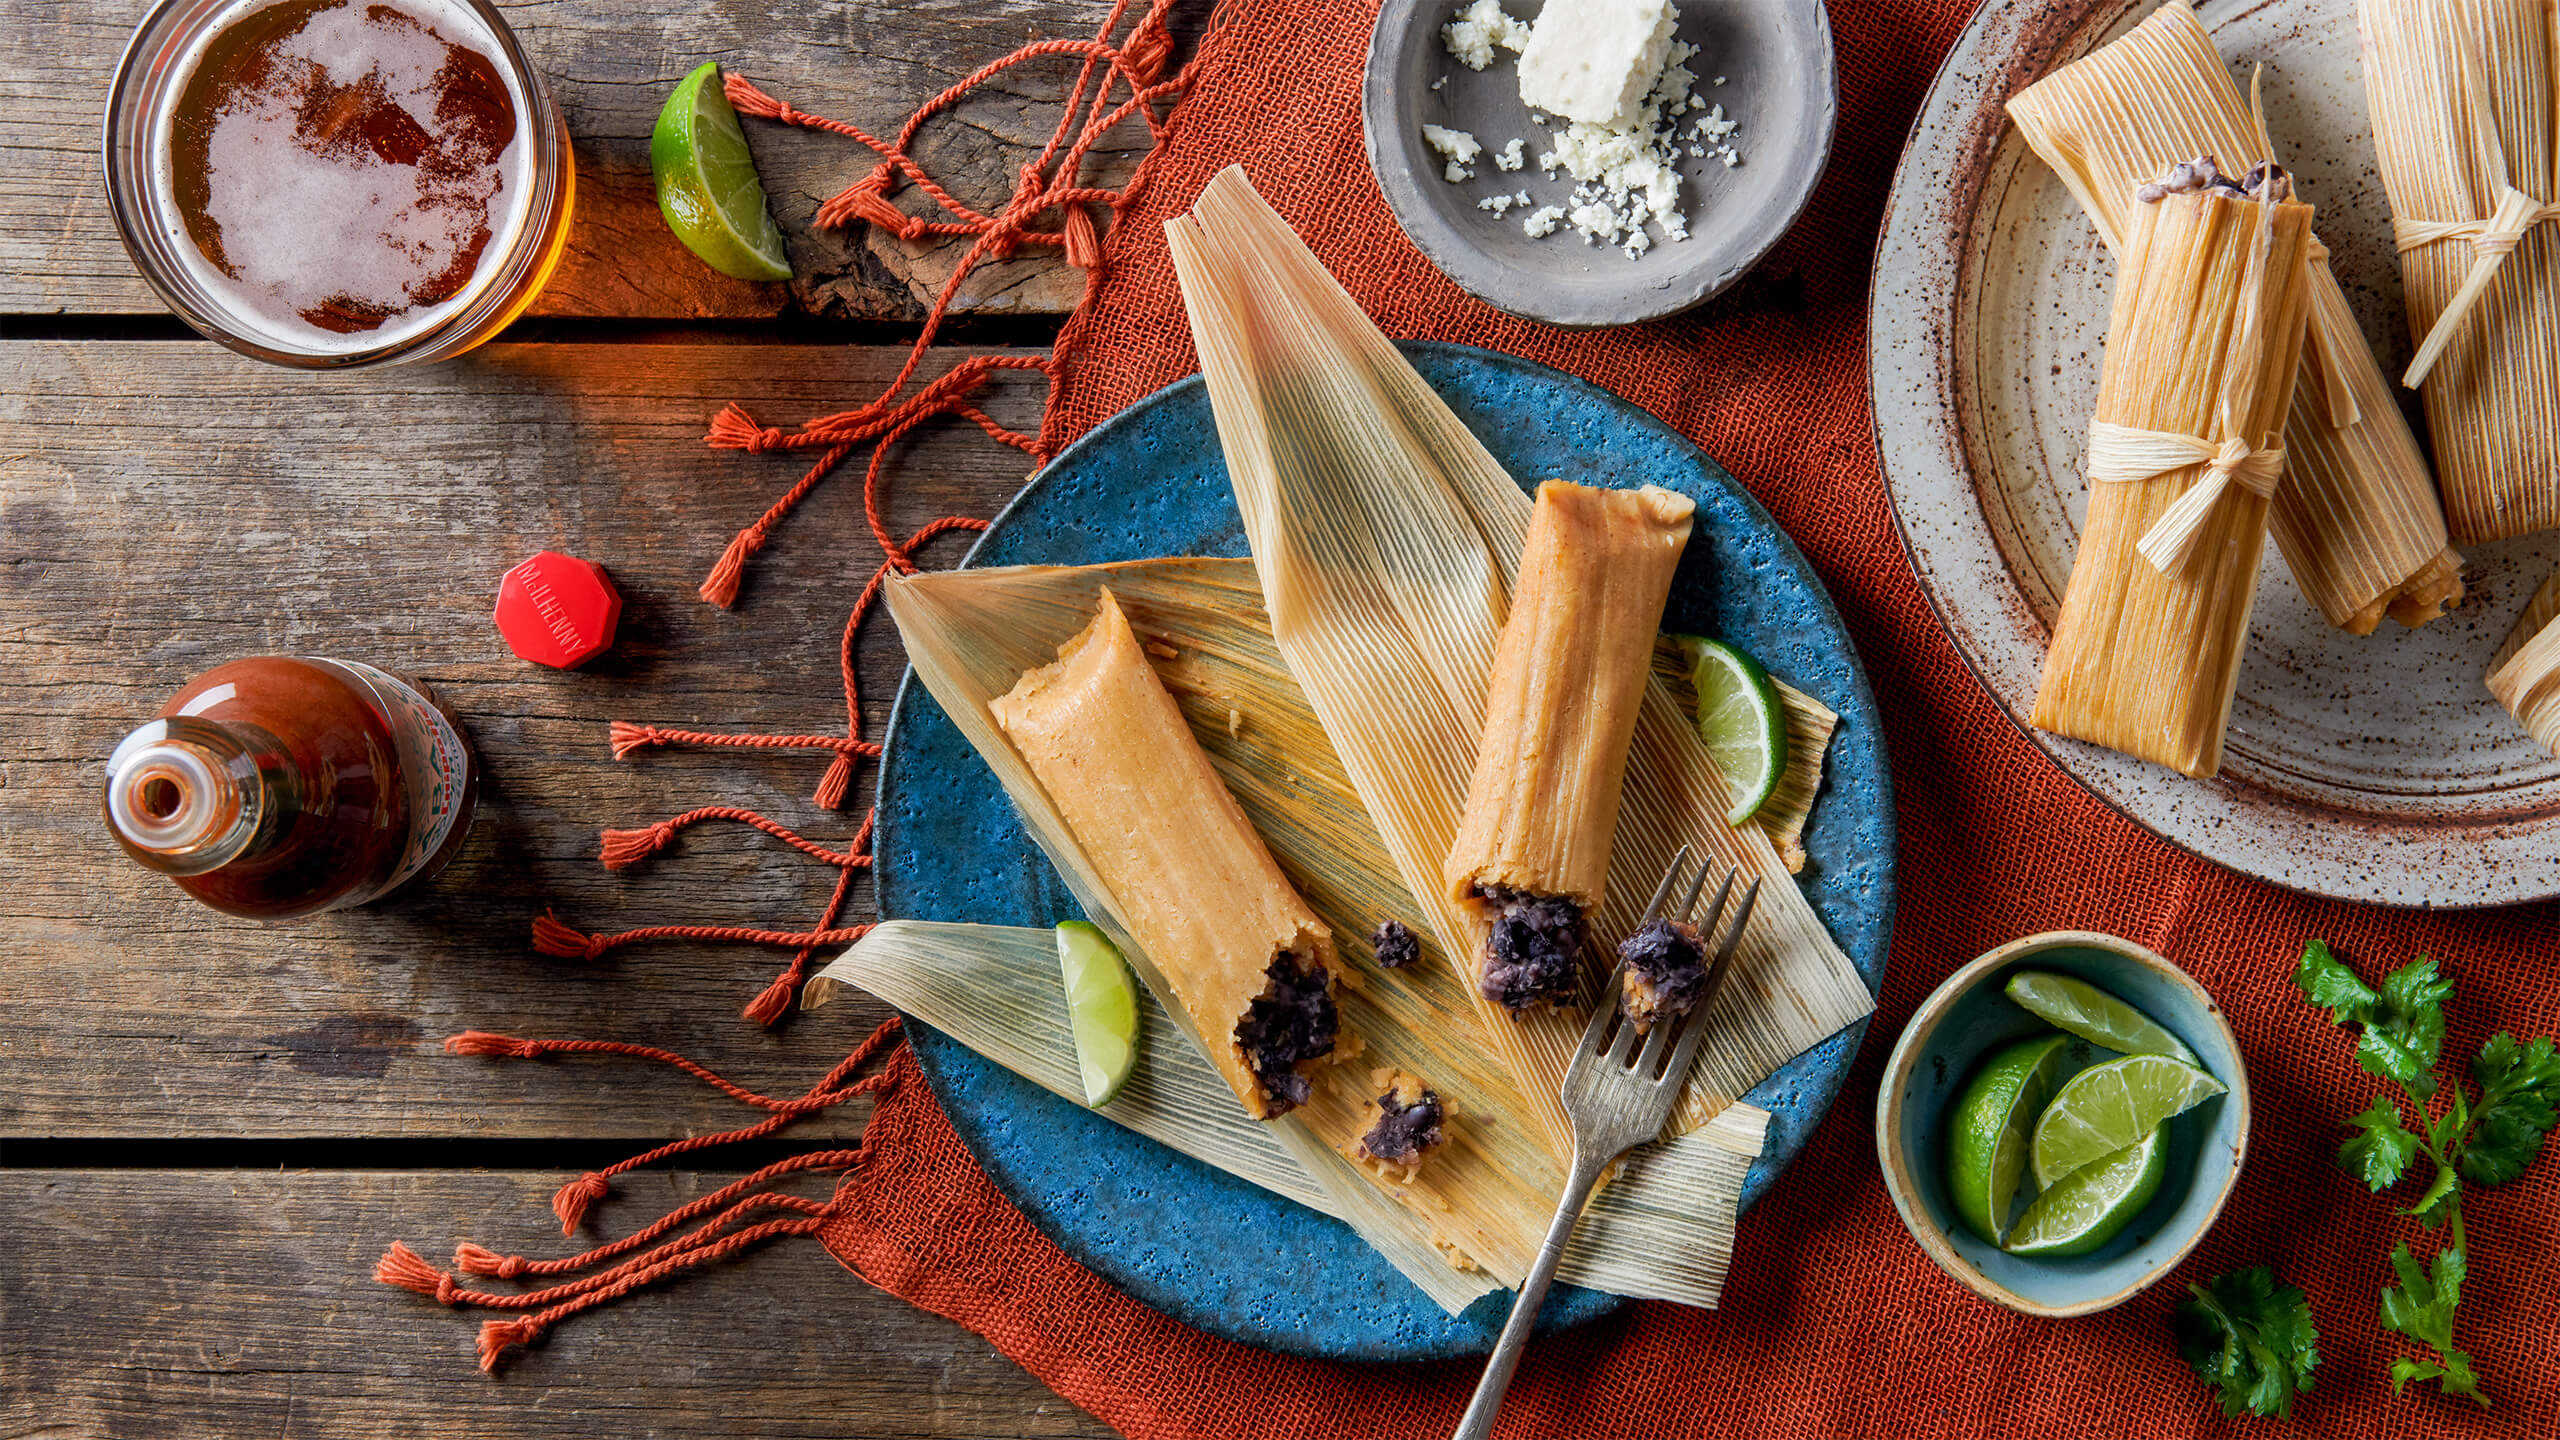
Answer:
[(2203, 342), (1662, 1229), (2525, 675), (2357, 517), (1490, 1191), (1386, 538), (2466, 119)]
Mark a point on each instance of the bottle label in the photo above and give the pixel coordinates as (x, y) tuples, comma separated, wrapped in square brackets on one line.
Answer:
[(434, 763)]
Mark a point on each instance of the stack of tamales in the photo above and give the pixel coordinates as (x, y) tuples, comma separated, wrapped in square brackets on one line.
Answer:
[(2357, 517), (2202, 345), (2464, 116)]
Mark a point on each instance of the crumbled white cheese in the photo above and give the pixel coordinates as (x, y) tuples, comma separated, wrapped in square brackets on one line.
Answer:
[(1543, 222), (1508, 158), (1479, 30), (1594, 61), (1440, 83), (1458, 147)]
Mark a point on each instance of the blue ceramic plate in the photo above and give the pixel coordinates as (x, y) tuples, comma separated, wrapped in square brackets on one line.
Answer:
[(1199, 1245)]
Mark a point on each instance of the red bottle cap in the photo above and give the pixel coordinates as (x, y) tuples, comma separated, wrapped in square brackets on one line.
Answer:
[(558, 610)]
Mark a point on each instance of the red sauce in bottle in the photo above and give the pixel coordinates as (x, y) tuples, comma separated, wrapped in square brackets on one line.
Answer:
[(280, 786)]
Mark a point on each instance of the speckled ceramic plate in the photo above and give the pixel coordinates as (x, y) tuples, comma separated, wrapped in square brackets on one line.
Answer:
[(1776, 61), (2370, 769), (1191, 1241)]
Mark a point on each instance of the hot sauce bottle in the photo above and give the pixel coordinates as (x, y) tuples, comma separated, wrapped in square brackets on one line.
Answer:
[(280, 786)]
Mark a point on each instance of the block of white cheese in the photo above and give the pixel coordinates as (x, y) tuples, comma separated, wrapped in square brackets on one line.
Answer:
[(1595, 60)]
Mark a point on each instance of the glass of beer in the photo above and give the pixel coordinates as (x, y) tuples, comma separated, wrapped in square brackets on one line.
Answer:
[(325, 183)]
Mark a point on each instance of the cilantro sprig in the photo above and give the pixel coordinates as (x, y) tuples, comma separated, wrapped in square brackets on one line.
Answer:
[(2481, 1140), (2249, 1335)]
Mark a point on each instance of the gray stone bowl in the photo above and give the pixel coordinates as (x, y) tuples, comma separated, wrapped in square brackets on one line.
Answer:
[(1776, 58)]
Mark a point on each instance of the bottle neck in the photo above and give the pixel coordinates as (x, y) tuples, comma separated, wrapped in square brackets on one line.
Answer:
[(185, 796)]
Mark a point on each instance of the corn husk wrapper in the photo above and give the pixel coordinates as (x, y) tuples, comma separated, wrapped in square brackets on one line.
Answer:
[(2525, 674), (2357, 516), (2205, 335), (1490, 1191), (2466, 119), (1386, 538), (1661, 1229)]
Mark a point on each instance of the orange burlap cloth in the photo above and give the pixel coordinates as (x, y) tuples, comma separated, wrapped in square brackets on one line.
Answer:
[(1833, 1323)]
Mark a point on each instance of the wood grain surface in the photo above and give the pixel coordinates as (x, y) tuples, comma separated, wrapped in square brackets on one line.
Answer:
[(222, 1304), (611, 64), (164, 507)]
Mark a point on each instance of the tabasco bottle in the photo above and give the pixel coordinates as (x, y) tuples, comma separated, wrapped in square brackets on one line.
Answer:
[(280, 786)]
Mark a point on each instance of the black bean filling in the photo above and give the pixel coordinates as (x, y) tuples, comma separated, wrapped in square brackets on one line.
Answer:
[(2205, 173), (1404, 1132), (1531, 957), (1395, 946), (1293, 1020), (1666, 970)]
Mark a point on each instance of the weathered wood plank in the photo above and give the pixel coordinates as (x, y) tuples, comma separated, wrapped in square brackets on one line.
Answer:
[(222, 1304), (869, 62), (167, 506)]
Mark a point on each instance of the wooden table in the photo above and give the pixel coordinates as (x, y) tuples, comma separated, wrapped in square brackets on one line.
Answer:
[(212, 1128)]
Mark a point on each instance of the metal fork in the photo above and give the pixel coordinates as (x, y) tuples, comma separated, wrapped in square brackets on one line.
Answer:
[(1617, 1095)]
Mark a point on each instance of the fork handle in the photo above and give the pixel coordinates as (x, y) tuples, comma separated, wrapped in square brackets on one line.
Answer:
[(1477, 1423)]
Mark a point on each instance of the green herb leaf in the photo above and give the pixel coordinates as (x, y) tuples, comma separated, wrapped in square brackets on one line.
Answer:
[(2325, 981), (2381, 1149), (2404, 1029), (2250, 1336), (2438, 1204), (2422, 1309), (2518, 1084)]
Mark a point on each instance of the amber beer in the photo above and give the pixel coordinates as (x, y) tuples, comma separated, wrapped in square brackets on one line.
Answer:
[(336, 182)]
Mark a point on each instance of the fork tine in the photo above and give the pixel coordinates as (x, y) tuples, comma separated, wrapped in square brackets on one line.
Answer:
[(1600, 1017), (1689, 1041), (1655, 1041), (1689, 906), (1653, 907)]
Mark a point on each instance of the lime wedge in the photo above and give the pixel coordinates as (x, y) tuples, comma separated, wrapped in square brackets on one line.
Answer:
[(1988, 1129), (2094, 1015), (2107, 1108), (707, 185), (2093, 1205), (1740, 719), (1102, 1009)]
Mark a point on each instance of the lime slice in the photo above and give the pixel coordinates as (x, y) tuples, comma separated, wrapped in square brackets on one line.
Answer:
[(2093, 1205), (1102, 1009), (2106, 1108), (707, 185), (1988, 1129), (1740, 719), (2094, 1015)]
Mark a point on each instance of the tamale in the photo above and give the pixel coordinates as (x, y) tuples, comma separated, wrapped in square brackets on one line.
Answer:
[(1411, 1123), (1531, 858), (2203, 342), (2466, 118), (2525, 675), (2357, 518), (1243, 953)]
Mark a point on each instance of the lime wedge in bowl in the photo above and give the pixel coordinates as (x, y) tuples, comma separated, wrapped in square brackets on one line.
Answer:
[(1102, 1009), (2093, 1015), (1989, 1126), (1740, 719), (2107, 1108), (2093, 1204), (707, 183)]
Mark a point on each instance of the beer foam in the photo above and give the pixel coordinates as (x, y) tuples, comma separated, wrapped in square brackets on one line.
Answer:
[(310, 223)]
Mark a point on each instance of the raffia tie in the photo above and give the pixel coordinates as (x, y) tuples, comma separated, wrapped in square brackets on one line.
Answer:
[(2492, 240), (2124, 454)]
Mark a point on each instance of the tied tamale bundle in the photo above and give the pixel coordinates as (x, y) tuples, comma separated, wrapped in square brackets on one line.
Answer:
[(2466, 117), (2357, 519), (2202, 345), (1531, 859), (1243, 953), (2525, 675)]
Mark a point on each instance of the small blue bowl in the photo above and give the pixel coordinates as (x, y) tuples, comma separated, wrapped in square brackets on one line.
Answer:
[(1966, 1019)]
